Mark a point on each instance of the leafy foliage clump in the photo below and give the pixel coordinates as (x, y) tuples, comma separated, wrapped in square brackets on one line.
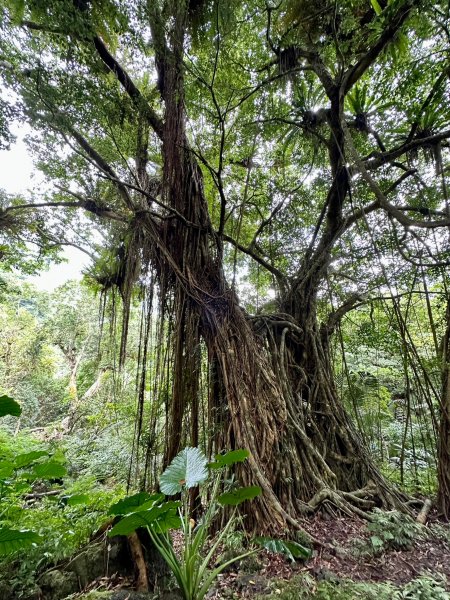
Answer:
[(188, 469), (425, 587), (393, 531)]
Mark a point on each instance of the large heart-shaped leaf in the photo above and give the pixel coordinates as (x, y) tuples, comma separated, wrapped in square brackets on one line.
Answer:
[(188, 469), (228, 459), (24, 460), (288, 548), (49, 470), (8, 406), (167, 521), (162, 518), (131, 503), (13, 539), (240, 495)]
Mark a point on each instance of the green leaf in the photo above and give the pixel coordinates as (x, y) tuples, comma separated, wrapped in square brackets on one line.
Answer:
[(297, 550), (12, 540), (376, 541), (228, 459), (169, 520), (376, 7), (129, 504), (240, 495), (17, 8), (288, 548), (23, 460), (187, 469), (8, 406), (49, 470), (77, 499), (27, 476), (149, 504), (164, 517), (6, 469)]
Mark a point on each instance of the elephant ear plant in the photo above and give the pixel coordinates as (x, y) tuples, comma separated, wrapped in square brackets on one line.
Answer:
[(188, 469)]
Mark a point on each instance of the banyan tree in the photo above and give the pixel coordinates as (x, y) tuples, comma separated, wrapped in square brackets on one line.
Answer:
[(299, 145)]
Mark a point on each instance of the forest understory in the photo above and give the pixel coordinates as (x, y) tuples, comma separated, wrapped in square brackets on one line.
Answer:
[(66, 464), (351, 567)]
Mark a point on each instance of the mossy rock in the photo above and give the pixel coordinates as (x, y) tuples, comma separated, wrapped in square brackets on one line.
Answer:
[(58, 584), (96, 560)]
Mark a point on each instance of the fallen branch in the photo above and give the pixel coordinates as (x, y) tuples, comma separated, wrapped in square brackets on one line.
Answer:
[(423, 514), (37, 495)]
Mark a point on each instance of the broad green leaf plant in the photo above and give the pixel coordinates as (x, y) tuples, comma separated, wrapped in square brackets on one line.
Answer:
[(13, 539), (16, 476), (8, 406), (188, 469)]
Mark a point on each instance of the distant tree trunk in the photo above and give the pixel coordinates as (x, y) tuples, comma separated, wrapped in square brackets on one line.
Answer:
[(444, 432)]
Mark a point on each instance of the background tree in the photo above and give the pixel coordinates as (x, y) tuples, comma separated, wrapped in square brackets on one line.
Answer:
[(29, 365)]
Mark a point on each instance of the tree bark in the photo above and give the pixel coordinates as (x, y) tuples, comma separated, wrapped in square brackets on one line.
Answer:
[(444, 430)]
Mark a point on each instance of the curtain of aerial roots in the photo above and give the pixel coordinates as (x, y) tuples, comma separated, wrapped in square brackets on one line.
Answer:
[(168, 384), (324, 461), (270, 390)]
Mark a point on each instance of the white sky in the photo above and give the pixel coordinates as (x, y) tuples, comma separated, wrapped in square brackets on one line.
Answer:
[(17, 175)]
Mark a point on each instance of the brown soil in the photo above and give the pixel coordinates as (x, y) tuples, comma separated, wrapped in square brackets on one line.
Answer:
[(398, 567), (345, 561)]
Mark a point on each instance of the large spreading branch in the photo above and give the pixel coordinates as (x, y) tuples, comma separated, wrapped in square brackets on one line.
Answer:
[(397, 213), (114, 67), (101, 164), (377, 159), (129, 86), (355, 72)]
